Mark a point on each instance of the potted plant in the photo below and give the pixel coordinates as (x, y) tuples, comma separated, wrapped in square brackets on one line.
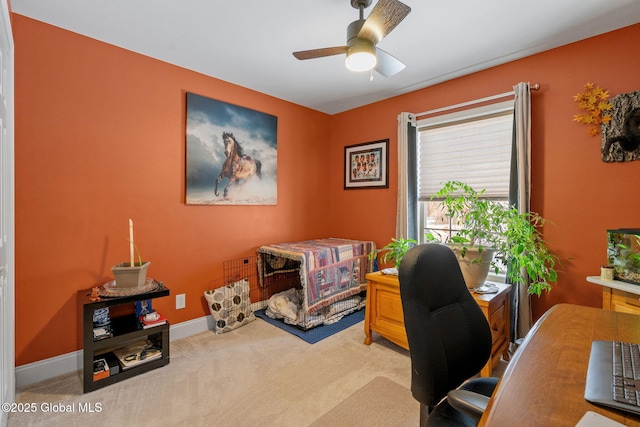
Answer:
[(394, 251), (131, 274), (513, 237)]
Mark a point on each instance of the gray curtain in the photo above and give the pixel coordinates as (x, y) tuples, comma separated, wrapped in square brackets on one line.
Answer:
[(407, 209), (519, 195)]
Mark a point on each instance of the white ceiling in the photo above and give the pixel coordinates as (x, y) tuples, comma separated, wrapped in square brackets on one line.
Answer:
[(250, 42)]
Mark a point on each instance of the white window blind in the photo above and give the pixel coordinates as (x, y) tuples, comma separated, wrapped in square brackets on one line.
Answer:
[(473, 147)]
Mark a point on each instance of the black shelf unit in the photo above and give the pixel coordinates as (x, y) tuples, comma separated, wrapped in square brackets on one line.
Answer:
[(126, 329)]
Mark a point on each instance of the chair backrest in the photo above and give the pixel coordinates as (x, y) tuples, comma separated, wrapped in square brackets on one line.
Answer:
[(449, 337)]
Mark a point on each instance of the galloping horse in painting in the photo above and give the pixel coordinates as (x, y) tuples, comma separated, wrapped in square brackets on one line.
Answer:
[(237, 165)]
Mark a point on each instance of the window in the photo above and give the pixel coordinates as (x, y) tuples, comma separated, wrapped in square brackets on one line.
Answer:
[(473, 146)]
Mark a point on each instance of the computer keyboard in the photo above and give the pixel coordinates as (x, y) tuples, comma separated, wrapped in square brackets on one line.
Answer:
[(626, 368), (613, 377)]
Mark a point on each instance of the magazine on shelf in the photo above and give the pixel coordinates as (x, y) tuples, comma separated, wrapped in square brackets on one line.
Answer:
[(137, 354), (152, 319)]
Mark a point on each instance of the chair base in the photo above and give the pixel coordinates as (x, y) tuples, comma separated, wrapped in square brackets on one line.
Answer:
[(445, 415)]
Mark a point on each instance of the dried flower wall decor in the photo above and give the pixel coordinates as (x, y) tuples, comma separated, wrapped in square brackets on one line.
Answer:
[(593, 100)]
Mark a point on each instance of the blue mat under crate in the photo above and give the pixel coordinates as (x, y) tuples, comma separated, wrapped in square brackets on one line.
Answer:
[(318, 333)]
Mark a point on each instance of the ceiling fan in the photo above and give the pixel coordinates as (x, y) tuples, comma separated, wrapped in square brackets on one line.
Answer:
[(363, 36)]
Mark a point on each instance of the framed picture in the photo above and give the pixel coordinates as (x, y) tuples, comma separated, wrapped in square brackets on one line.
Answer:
[(231, 154), (367, 165)]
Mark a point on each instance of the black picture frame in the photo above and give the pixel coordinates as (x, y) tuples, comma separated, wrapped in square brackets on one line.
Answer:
[(366, 165)]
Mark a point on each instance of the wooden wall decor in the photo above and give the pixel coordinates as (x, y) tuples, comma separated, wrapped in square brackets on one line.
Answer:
[(621, 136)]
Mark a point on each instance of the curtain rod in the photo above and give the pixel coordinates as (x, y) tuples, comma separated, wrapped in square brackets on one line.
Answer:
[(535, 86)]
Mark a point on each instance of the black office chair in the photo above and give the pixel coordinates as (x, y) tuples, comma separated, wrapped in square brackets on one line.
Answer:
[(449, 338)]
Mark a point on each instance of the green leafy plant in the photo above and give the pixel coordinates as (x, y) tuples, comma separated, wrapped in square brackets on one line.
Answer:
[(515, 237), (395, 250)]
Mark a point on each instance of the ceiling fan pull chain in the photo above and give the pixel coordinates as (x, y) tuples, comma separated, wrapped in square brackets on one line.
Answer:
[(371, 77)]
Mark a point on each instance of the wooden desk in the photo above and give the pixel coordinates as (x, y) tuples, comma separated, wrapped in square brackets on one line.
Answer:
[(618, 296), (543, 384), (383, 312), (384, 315)]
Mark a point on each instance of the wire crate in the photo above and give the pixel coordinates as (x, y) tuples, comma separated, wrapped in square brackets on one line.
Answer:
[(241, 268)]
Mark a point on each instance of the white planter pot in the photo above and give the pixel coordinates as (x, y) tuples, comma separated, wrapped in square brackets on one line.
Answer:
[(474, 265)]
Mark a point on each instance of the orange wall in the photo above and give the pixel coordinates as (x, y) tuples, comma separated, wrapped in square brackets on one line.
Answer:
[(571, 185), (100, 138), (81, 105)]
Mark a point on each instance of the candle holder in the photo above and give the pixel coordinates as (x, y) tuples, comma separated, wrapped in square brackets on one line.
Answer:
[(130, 277), (606, 272)]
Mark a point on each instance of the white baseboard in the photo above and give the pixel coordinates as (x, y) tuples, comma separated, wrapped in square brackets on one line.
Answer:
[(42, 370), (190, 327)]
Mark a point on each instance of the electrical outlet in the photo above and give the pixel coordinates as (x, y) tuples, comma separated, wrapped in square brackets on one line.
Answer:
[(181, 301)]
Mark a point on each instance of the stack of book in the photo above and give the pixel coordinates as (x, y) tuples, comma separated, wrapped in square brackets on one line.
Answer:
[(101, 324), (152, 319), (101, 333)]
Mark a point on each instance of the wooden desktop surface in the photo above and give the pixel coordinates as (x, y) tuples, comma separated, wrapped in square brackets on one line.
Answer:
[(543, 384)]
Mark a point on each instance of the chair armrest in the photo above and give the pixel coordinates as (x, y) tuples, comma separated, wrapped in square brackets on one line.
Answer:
[(468, 402)]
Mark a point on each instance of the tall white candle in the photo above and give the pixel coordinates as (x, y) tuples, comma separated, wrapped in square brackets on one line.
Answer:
[(131, 242)]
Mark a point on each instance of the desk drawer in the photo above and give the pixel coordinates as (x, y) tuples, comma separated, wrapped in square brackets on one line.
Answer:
[(497, 323), (633, 299), (625, 302)]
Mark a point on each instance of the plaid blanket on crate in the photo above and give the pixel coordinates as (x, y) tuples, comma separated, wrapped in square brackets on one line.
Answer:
[(330, 269)]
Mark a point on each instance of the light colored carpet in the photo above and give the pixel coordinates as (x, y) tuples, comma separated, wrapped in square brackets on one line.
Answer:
[(381, 403), (254, 375)]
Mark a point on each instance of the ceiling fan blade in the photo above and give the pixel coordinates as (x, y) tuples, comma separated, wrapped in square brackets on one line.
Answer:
[(384, 17), (388, 65), (319, 53)]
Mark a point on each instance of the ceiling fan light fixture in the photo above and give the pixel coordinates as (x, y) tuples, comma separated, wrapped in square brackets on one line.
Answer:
[(361, 56), (363, 35)]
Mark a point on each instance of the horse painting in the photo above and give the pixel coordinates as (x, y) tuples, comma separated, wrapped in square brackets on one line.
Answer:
[(237, 165)]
